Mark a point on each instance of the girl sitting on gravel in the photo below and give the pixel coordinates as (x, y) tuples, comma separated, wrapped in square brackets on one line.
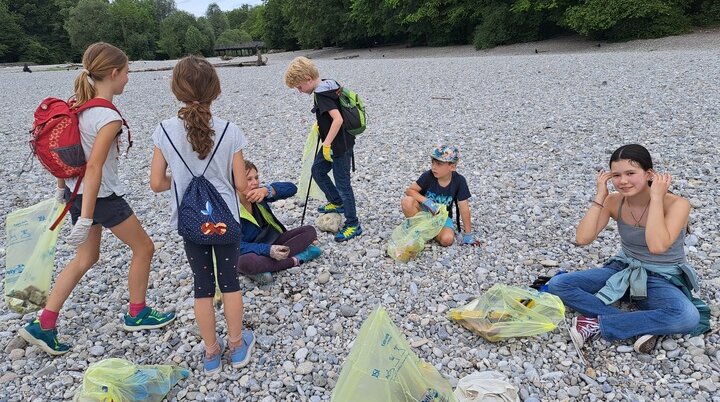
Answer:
[(99, 203), (651, 266), (267, 246), (197, 143)]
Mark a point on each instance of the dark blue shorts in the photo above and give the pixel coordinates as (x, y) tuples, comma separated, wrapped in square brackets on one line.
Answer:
[(110, 211)]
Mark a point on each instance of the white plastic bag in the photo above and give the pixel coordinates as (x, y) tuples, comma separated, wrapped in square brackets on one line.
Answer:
[(486, 386)]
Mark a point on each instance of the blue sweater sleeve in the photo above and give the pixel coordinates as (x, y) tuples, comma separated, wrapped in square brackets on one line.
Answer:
[(257, 248), (282, 190)]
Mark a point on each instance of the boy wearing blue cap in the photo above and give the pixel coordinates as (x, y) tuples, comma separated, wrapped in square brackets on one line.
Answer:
[(442, 185)]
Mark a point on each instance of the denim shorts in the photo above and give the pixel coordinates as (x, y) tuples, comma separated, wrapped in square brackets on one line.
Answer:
[(110, 211)]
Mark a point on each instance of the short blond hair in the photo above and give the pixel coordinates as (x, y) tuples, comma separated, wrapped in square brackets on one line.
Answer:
[(300, 70)]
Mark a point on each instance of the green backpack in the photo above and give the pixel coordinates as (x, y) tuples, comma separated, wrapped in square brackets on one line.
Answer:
[(352, 110)]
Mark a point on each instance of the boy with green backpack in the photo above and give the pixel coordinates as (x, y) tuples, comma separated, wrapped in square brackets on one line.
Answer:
[(340, 117)]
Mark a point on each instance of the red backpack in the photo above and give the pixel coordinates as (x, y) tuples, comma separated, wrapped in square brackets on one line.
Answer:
[(55, 140)]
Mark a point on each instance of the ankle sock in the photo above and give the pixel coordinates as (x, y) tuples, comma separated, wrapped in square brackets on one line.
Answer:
[(213, 349), (136, 308), (297, 262), (48, 319), (234, 341)]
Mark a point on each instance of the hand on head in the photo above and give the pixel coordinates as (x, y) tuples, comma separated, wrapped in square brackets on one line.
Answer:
[(602, 183), (660, 185)]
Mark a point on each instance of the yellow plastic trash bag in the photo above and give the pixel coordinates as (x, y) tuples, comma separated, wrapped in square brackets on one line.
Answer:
[(119, 380), (382, 367), (30, 259), (408, 239), (507, 312), (308, 158)]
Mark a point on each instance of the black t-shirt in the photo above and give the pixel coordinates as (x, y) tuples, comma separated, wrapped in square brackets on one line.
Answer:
[(324, 101), (430, 188)]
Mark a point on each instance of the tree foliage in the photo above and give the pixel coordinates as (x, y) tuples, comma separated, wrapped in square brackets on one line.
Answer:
[(51, 31)]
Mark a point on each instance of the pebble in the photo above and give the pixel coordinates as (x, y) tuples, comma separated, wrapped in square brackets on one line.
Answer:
[(348, 311), (323, 278)]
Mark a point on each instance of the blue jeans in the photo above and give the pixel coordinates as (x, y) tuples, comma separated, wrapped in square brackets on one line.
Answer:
[(340, 193), (665, 311)]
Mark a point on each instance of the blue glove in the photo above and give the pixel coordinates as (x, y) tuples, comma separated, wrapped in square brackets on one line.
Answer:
[(433, 207), (469, 238)]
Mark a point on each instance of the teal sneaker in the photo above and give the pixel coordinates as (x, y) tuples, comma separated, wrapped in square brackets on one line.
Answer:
[(347, 233), (213, 364), (310, 253), (45, 339), (147, 319), (331, 208), (240, 356), (263, 278)]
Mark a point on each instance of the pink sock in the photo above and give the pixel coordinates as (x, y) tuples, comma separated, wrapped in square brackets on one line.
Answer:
[(48, 319), (136, 308)]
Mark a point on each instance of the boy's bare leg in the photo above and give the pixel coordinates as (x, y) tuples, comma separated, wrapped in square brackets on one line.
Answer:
[(446, 237), (410, 207)]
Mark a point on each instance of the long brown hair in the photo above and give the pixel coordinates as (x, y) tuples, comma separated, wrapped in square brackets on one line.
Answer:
[(99, 61), (196, 83)]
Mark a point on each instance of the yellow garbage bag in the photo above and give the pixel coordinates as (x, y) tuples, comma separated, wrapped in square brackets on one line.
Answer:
[(119, 380), (507, 312), (30, 258), (308, 158), (382, 367), (408, 239)]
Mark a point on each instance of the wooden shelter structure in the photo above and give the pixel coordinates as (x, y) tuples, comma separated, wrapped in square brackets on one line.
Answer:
[(241, 49)]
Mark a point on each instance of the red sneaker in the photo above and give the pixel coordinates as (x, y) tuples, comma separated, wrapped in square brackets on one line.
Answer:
[(584, 329)]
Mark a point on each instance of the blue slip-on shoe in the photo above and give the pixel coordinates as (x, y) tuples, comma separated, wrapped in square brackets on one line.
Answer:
[(147, 318), (331, 208), (348, 232), (213, 364), (45, 339), (263, 278), (310, 253), (240, 356)]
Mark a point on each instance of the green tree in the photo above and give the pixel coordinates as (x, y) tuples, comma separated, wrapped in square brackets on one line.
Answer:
[(172, 33), (163, 8), (135, 31), (217, 18), (237, 17), (195, 41), (88, 23), (628, 19), (232, 37), (277, 33), (12, 37)]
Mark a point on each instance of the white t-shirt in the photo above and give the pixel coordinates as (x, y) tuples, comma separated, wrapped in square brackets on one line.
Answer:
[(90, 122), (219, 173)]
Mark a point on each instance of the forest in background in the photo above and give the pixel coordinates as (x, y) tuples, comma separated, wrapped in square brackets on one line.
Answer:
[(57, 31)]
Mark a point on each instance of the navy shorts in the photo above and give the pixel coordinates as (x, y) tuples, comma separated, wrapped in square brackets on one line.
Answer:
[(110, 211)]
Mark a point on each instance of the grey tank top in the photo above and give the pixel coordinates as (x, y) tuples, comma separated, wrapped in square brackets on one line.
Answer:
[(634, 245)]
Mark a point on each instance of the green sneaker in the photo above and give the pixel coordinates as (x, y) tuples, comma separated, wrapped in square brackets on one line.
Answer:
[(348, 232), (331, 208), (45, 339), (147, 319)]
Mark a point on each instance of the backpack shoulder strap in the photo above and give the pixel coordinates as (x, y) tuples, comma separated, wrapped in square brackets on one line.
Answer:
[(102, 102), (216, 148), (176, 151)]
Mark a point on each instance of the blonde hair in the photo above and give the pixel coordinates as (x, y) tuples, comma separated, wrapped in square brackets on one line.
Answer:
[(196, 83), (99, 61), (299, 71)]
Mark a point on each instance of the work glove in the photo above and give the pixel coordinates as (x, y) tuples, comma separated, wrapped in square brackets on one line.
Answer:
[(60, 195), (469, 239), (433, 207), (327, 153), (279, 252), (79, 232)]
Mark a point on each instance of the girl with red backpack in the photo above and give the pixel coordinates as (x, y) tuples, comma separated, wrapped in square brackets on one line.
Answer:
[(205, 156), (99, 203)]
